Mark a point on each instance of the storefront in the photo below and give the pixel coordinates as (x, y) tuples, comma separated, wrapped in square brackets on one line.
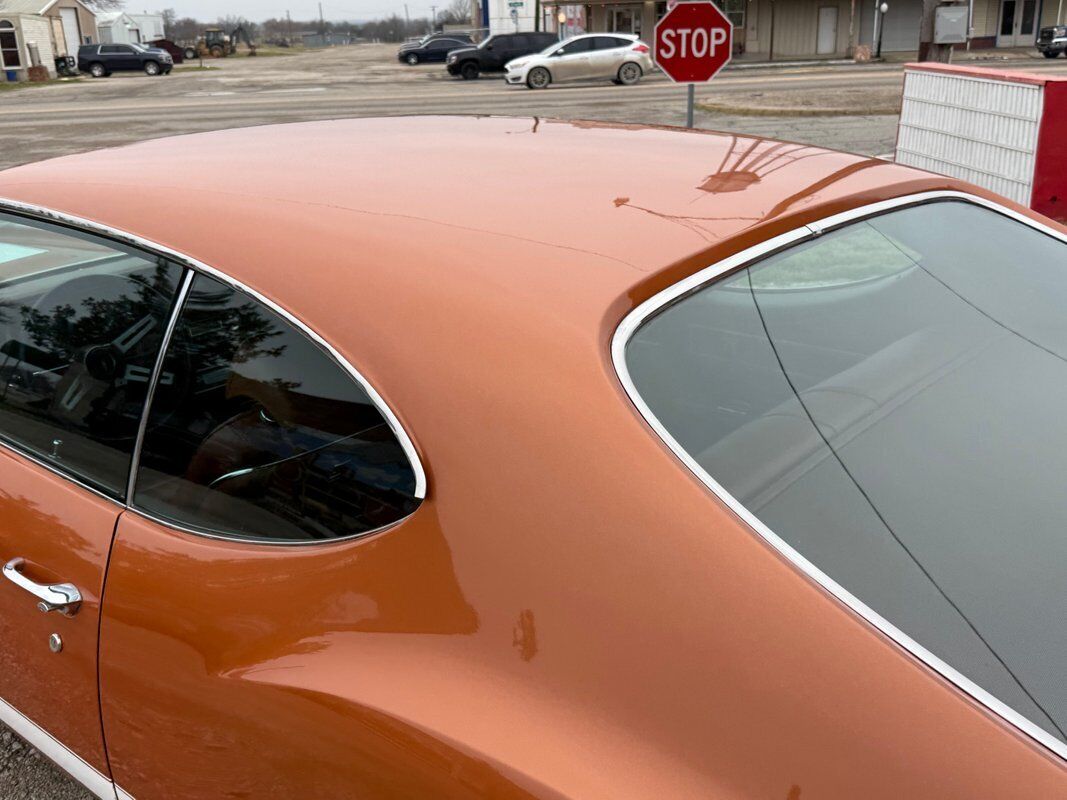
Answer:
[(782, 30)]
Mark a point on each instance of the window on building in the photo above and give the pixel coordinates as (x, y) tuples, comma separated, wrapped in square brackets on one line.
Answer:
[(81, 322), (735, 11), (889, 399), (9, 45), (257, 433)]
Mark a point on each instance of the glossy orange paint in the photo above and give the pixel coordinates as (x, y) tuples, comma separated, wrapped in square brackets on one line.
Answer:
[(569, 614), (63, 532)]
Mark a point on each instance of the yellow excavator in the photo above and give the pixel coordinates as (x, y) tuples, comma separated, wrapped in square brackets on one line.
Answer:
[(216, 43)]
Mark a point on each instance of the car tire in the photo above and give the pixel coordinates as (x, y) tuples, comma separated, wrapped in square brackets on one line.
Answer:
[(538, 78), (151, 68), (412, 59), (216, 52), (189, 53), (98, 70), (1050, 54), (469, 71), (629, 73)]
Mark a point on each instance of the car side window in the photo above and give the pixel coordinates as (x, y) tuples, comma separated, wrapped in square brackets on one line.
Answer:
[(605, 43), (81, 322), (578, 46), (257, 433), (125, 49), (109, 49)]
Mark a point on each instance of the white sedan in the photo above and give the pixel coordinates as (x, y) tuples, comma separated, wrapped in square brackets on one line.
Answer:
[(621, 57)]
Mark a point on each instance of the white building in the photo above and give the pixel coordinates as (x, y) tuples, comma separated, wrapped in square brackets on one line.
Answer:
[(150, 26), (511, 16), (121, 27), (47, 28)]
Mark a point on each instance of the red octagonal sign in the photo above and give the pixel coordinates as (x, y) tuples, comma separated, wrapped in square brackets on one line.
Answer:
[(694, 40)]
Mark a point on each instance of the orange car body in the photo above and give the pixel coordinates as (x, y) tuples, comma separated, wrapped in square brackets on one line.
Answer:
[(569, 613)]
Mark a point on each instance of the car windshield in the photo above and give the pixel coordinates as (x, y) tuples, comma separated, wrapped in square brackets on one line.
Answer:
[(888, 399)]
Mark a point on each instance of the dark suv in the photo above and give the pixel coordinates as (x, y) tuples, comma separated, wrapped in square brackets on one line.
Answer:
[(100, 60), (496, 51)]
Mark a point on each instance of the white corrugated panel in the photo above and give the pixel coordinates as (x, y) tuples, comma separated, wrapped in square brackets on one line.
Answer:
[(980, 130)]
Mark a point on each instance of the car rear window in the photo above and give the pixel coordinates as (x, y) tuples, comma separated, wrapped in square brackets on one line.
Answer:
[(890, 399)]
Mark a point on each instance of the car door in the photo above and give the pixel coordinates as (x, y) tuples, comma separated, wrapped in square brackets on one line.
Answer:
[(604, 59), (437, 50), (126, 57), (245, 573), (515, 46), (493, 54), (80, 327), (572, 60)]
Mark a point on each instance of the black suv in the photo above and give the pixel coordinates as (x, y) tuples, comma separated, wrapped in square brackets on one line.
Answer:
[(100, 60), (496, 51), (1053, 41)]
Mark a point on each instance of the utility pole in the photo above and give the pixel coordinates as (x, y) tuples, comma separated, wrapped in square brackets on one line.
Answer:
[(289, 26), (433, 18), (322, 25), (928, 50)]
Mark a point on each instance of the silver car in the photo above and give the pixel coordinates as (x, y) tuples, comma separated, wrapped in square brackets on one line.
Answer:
[(619, 56)]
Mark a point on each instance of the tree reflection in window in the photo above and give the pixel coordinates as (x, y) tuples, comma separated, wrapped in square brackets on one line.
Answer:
[(77, 345), (260, 434)]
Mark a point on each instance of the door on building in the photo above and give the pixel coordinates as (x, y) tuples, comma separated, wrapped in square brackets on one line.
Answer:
[(624, 19), (1018, 23), (71, 30), (826, 43)]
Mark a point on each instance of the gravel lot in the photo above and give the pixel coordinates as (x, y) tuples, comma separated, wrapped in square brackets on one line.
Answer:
[(27, 775)]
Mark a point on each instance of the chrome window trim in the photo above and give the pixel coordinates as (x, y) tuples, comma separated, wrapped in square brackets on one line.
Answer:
[(153, 380), (65, 758), (42, 214), (635, 318)]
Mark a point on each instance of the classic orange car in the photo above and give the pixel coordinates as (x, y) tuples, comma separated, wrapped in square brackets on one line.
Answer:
[(716, 467)]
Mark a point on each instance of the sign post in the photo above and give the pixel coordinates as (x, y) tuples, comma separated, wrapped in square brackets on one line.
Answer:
[(693, 42)]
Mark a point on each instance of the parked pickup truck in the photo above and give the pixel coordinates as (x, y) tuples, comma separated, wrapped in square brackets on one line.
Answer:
[(1052, 41)]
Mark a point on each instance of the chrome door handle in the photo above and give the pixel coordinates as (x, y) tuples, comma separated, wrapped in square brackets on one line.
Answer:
[(62, 597)]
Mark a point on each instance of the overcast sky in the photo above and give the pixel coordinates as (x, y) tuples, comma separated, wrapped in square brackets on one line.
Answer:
[(300, 9)]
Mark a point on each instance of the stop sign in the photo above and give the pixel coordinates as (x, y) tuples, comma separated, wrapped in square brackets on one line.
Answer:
[(693, 42)]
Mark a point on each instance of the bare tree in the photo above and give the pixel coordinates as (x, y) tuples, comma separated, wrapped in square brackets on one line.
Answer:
[(169, 16), (458, 12), (185, 29)]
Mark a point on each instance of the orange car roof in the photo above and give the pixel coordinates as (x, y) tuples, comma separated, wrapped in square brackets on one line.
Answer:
[(637, 196)]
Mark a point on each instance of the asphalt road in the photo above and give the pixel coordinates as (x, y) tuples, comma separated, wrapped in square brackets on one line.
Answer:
[(56, 120), (367, 81)]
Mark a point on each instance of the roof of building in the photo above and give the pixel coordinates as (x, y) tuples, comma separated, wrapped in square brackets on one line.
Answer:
[(110, 18), (24, 6), (33, 6)]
